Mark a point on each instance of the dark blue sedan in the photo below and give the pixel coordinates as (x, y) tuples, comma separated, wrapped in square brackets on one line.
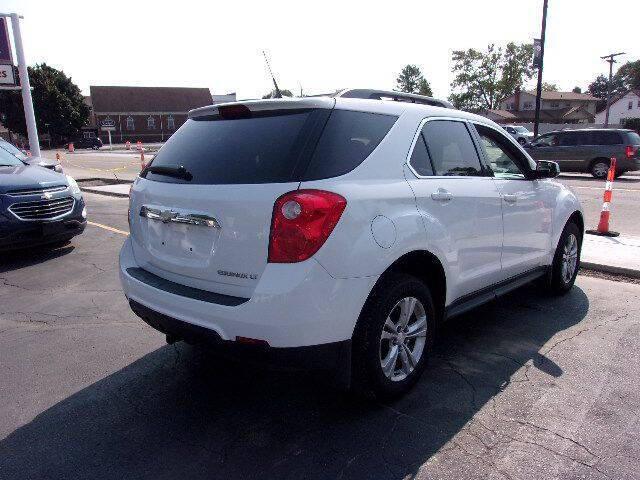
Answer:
[(37, 205)]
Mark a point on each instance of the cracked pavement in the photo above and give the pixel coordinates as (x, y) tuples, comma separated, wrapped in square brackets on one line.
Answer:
[(529, 387)]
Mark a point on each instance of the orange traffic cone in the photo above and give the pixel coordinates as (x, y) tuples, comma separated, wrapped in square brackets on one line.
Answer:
[(603, 224), (58, 156), (127, 145), (71, 149), (143, 164)]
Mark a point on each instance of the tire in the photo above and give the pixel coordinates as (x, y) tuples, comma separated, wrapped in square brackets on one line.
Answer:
[(599, 168), (566, 261), (380, 317)]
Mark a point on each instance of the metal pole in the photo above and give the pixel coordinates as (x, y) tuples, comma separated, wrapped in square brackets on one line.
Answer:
[(539, 87), (27, 101), (610, 59)]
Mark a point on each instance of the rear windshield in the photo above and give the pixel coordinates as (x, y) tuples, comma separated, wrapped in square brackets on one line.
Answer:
[(271, 147)]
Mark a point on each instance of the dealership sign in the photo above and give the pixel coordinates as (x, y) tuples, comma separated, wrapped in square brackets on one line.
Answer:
[(7, 75), (5, 44), (107, 123)]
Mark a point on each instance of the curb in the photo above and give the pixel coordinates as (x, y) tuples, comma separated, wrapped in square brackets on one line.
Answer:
[(102, 192), (599, 267)]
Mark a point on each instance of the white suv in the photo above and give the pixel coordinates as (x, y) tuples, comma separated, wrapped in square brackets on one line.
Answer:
[(337, 232)]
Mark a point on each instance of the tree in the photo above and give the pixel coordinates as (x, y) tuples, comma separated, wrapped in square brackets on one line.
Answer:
[(411, 80), (629, 75), (576, 90), (598, 88), (283, 92), (549, 87), (57, 102), (483, 78)]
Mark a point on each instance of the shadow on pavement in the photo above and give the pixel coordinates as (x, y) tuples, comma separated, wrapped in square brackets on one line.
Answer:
[(22, 258), (589, 178), (181, 413)]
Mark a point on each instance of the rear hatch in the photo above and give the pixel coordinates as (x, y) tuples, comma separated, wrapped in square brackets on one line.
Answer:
[(201, 213), (209, 228)]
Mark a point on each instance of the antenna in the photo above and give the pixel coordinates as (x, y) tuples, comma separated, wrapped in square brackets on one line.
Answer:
[(275, 84)]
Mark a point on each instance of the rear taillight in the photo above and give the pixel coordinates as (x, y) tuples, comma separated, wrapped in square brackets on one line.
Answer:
[(631, 151), (302, 221)]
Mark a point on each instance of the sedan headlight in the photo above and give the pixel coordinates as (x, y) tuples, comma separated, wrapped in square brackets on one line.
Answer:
[(73, 185)]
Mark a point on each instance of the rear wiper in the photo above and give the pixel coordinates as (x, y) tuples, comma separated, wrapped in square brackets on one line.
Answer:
[(178, 171)]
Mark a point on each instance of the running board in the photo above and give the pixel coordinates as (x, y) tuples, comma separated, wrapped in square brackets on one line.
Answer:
[(487, 294)]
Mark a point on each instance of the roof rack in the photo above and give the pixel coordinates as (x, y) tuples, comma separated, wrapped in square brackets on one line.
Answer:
[(371, 94)]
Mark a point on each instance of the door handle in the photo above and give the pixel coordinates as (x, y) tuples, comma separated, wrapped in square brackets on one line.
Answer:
[(510, 198), (441, 195)]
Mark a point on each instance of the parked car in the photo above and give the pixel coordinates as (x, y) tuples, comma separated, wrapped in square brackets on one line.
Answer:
[(589, 150), (37, 205), (520, 133), (40, 161), (338, 232), (92, 142)]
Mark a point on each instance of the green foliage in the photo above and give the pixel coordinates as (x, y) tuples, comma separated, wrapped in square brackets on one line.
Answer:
[(631, 123), (483, 78), (598, 88), (411, 80), (576, 90), (284, 92), (57, 101), (629, 75), (549, 87)]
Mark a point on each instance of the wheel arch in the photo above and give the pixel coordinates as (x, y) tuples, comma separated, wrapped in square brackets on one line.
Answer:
[(593, 162), (427, 267)]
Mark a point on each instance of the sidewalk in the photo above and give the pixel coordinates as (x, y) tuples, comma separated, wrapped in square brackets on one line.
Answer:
[(619, 255)]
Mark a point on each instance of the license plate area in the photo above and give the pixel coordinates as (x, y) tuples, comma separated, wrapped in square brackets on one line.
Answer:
[(181, 245)]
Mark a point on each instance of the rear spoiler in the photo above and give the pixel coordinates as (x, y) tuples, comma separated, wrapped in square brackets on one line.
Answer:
[(370, 94), (286, 103)]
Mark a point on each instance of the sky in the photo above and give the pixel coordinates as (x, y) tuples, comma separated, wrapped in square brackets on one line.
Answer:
[(319, 46)]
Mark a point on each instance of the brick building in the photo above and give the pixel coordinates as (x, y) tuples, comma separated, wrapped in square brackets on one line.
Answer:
[(148, 114)]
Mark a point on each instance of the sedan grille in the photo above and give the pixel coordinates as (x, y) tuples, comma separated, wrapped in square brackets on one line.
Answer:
[(42, 209), (37, 191)]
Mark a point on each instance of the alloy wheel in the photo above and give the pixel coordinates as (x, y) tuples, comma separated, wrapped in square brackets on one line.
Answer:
[(569, 258), (600, 169), (403, 339)]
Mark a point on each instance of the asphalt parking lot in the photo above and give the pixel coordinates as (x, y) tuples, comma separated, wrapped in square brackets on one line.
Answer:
[(529, 387)]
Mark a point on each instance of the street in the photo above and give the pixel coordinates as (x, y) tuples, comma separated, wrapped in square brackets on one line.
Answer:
[(529, 387)]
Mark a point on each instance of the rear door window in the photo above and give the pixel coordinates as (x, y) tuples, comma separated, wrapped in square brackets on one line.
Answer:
[(347, 140), (606, 138), (451, 149), (420, 160)]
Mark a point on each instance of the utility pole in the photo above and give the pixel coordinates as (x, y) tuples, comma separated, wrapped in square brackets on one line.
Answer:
[(611, 59), (541, 63)]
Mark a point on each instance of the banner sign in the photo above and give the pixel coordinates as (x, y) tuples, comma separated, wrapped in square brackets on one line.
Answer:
[(5, 44), (537, 53)]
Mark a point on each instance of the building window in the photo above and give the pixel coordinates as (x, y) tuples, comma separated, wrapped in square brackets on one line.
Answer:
[(630, 106), (171, 123), (528, 105), (151, 123), (555, 105), (89, 134), (130, 124)]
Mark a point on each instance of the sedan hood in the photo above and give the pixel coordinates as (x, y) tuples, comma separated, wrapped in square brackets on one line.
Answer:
[(29, 176), (42, 162)]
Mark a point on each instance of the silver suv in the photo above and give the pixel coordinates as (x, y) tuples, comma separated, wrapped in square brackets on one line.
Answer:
[(589, 150)]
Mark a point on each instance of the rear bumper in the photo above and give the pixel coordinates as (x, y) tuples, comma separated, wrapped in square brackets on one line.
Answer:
[(293, 305), (628, 164), (16, 234), (329, 356)]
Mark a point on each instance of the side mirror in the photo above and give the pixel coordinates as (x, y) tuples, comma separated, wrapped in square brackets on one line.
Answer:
[(547, 169)]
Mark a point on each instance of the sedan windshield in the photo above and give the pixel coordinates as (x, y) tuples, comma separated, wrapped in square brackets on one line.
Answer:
[(15, 151), (521, 130), (8, 160)]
